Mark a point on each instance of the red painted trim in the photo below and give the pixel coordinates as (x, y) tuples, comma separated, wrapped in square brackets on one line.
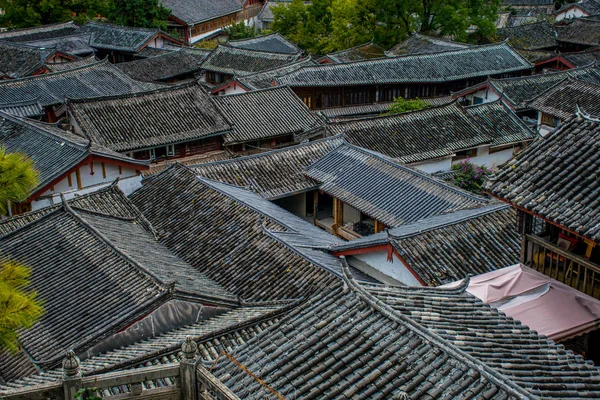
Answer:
[(382, 247), (558, 58), (412, 271), (233, 83), (362, 250), (83, 162)]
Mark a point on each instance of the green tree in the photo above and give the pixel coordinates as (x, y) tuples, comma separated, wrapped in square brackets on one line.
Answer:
[(401, 105), (309, 26), (140, 13), (18, 178), (241, 31), (470, 176), (455, 17), (19, 307), (353, 23)]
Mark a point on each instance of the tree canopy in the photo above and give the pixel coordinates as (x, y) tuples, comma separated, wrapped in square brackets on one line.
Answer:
[(330, 25), (241, 31), (139, 13), (401, 105), (19, 308), (18, 177)]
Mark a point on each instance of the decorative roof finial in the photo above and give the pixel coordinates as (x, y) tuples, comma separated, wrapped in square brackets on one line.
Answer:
[(71, 365), (189, 348)]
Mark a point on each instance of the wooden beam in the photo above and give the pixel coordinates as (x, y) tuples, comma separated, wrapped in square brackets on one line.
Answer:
[(78, 175), (338, 214), (379, 226)]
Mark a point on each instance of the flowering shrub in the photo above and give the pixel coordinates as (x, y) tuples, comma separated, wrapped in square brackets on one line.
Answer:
[(470, 176)]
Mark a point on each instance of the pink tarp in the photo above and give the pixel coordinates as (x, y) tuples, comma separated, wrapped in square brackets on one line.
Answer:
[(545, 305)]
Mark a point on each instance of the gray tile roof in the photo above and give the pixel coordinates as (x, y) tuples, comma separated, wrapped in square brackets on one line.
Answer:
[(534, 36), (500, 123), (39, 32), (272, 174), (121, 38), (155, 118), (434, 132), (516, 91), (471, 62), (108, 200), (77, 44), (89, 289), (361, 52), (343, 343), (193, 12), (28, 108), (241, 62), (98, 79), (451, 247), (582, 58), (18, 60), (226, 239), (592, 7), (266, 114), (364, 110), (65, 66), (518, 355), (579, 31), (384, 190), (422, 44), (222, 332), (272, 43), (266, 79), (551, 178), (562, 99), (266, 13), (161, 68), (53, 150)]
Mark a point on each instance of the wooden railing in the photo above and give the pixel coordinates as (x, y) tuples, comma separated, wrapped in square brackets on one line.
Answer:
[(210, 388), (559, 264)]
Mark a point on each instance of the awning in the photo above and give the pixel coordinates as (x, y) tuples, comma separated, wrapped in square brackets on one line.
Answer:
[(543, 304)]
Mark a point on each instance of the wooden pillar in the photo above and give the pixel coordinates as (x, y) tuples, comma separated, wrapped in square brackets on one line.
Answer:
[(379, 226), (187, 369), (338, 214), (78, 175), (103, 170)]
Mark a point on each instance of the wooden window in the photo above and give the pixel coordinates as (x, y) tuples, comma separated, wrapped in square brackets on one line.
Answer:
[(171, 150), (461, 155), (549, 120), (152, 154)]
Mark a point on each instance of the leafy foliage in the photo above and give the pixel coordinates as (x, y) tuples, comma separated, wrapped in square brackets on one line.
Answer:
[(140, 13), (26, 13), (241, 31), (470, 176), (90, 393), (332, 25), (18, 308), (207, 44), (18, 178), (401, 105)]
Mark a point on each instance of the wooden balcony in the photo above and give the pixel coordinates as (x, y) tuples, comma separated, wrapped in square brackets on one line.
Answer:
[(564, 266)]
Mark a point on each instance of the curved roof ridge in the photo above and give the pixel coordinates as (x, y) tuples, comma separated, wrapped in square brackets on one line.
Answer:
[(166, 286), (413, 171), (491, 374), (165, 88)]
